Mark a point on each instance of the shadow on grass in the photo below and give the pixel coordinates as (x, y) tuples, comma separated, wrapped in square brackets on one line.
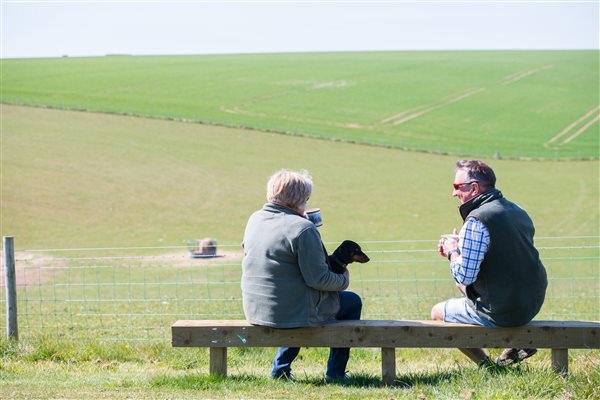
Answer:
[(434, 378), (204, 382), (414, 379), (429, 379), (401, 381)]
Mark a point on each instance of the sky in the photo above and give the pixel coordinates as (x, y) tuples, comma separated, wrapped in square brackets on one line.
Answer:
[(93, 28)]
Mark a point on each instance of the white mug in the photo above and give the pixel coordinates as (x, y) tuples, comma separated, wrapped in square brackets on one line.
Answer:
[(314, 215)]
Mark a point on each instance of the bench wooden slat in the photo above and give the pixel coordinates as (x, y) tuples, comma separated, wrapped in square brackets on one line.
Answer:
[(387, 334), (218, 335)]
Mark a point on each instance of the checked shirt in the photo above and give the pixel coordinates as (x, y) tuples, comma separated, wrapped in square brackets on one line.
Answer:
[(473, 243)]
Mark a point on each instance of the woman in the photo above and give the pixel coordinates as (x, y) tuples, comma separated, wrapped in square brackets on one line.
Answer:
[(286, 282)]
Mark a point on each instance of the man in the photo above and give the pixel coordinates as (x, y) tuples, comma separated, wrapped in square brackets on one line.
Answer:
[(493, 261)]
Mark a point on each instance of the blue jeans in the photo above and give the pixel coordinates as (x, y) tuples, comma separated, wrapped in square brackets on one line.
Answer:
[(350, 308)]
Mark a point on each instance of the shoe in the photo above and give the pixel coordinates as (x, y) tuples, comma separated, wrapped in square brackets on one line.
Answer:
[(284, 376), (336, 379), (511, 356), (487, 364)]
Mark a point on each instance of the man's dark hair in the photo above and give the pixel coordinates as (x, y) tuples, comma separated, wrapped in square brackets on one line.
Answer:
[(478, 171)]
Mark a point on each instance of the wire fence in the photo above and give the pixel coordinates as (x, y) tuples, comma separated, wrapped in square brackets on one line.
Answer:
[(136, 293)]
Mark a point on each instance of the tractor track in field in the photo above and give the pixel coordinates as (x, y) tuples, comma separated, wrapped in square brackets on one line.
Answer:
[(517, 76), (570, 129), (232, 125), (416, 112)]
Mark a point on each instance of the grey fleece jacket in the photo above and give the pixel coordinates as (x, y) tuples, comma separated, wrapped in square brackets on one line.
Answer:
[(286, 282)]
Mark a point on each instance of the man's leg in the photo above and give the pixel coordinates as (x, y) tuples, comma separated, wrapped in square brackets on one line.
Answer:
[(477, 355), (350, 308)]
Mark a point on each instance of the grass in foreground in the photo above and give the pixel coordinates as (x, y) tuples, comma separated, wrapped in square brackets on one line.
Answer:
[(49, 368)]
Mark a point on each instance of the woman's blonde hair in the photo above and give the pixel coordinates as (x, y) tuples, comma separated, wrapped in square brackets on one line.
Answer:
[(289, 188)]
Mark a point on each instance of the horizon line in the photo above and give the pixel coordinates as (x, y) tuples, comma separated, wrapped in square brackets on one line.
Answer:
[(66, 55)]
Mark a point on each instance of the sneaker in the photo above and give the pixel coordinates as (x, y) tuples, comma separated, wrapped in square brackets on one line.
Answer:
[(511, 356), (284, 376), (336, 379)]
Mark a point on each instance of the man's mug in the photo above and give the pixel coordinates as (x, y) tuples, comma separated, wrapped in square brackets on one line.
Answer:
[(452, 236), (448, 237), (314, 215)]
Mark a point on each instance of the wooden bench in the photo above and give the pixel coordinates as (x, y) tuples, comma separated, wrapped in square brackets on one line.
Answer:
[(218, 335)]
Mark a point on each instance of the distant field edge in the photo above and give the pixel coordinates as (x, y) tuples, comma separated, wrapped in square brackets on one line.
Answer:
[(287, 133)]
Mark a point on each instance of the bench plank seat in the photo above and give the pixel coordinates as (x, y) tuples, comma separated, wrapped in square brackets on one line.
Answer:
[(218, 335)]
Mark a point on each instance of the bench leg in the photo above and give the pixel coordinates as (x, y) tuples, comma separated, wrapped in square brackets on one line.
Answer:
[(560, 361), (388, 365), (218, 361)]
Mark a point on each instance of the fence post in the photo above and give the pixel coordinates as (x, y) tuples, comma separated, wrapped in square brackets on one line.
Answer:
[(12, 329)]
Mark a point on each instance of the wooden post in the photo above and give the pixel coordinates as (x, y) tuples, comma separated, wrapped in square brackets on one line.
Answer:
[(560, 361), (218, 361), (12, 329), (388, 365)]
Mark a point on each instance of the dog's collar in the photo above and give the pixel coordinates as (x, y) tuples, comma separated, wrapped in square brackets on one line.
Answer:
[(338, 261)]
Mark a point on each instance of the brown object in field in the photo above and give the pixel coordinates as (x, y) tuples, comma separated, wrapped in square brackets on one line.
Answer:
[(208, 247)]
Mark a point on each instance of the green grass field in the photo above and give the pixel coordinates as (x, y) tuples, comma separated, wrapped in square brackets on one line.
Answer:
[(508, 104), (77, 179), (57, 369), (82, 322), (132, 297), (72, 179)]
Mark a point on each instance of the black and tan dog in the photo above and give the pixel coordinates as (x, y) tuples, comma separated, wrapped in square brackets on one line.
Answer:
[(347, 253)]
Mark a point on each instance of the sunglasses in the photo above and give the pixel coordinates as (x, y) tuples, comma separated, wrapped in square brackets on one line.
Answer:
[(459, 185)]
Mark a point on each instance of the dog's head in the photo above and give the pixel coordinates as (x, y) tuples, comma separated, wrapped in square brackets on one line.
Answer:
[(353, 251)]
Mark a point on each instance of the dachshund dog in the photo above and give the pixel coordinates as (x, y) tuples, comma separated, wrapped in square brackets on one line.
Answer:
[(347, 253)]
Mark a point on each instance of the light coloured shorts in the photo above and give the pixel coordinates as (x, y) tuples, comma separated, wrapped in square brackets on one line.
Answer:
[(457, 310)]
